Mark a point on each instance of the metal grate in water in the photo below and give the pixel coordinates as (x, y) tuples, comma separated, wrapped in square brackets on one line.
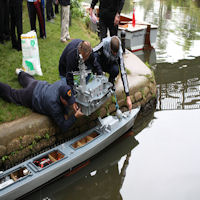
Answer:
[(181, 98)]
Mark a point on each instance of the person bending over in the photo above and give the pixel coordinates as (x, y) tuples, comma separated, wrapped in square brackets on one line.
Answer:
[(69, 59), (108, 54)]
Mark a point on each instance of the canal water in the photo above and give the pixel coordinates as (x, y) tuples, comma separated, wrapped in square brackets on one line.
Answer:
[(163, 160)]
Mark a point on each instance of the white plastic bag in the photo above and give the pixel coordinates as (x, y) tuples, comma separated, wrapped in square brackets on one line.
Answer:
[(30, 53)]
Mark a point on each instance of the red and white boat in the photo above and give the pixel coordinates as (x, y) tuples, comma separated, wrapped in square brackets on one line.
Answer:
[(138, 36)]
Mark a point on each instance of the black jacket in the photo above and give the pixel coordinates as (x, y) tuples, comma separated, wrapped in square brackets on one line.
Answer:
[(108, 8), (64, 2), (69, 60)]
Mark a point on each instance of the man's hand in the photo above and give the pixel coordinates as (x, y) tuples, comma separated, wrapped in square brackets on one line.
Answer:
[(91, 11), (75, 107), (128, 102), (78, 113), (117, 19)]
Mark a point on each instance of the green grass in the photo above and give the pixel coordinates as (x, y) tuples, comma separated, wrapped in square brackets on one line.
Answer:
[(50, 50)]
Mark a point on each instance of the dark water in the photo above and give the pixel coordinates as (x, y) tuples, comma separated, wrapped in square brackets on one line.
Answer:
[(162, 161)]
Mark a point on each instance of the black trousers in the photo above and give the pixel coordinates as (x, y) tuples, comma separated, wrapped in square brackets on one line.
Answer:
[(19, 96), (32, 16), (16, 23), (105, 25), (4, 20), (110, 67), (49, 9)]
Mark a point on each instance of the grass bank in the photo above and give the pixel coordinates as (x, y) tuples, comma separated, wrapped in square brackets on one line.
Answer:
[(50, 50)]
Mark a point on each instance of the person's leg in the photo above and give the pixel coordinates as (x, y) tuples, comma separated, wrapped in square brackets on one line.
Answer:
[(2, 16), (25, 79), (32, 15), (13, 17), (51, 10), (112, 28), (102, 29), (56, 9), (65, 10), (20, 97), (19, 22), (38, 7), (6, 22), (48, 9), (113, 71)]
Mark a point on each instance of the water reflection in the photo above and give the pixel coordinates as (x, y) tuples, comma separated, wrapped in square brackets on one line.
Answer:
[(178, 85), (102, 178), (178, 23), (147, 56)]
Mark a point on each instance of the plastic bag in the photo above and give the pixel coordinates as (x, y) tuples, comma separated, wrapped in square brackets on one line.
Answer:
[(30, 53)]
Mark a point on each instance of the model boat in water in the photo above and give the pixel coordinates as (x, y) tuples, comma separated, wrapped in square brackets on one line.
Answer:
[(40, 169)]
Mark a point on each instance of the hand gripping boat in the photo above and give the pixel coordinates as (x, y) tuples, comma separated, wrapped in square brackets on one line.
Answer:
[(40, 169)]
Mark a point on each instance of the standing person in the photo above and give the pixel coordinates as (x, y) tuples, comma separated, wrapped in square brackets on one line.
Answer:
[(109, 56), (16, 23), (69, 59), (35, 8), (4, 21), (65, 11), (49, 10), (109, 15), (56, 3), (52, 100)]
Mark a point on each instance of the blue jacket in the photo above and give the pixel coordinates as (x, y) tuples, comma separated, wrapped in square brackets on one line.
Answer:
[(46, 100), (70, 58)]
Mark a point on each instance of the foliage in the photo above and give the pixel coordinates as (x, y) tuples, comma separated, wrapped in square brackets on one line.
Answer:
[(87, 21), (76, 8)]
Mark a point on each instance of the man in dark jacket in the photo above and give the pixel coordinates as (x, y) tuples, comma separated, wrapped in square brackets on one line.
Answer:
[(48, 99), (69, 59), (109, 15)]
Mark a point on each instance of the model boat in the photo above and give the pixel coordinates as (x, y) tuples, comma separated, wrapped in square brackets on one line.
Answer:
[(40, 169), (90, 95), (100, 170)]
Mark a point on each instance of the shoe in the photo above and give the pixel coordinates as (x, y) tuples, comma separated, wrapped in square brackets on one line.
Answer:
[(50, 20), (64, 41), (18, 71)]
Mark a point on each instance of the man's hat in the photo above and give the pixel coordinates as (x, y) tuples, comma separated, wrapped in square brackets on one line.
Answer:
[(66, 93)]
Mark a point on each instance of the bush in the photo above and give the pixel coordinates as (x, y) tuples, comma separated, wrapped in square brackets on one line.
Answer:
[(76, 8)]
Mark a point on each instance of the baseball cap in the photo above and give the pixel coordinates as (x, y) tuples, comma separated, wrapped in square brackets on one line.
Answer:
[(66, 93)]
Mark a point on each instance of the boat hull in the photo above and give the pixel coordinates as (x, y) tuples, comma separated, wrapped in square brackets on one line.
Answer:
[(135, 39), (72, 155)]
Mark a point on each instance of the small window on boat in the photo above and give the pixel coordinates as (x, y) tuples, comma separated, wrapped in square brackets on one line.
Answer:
[(48, 159), (85, 140), (12, 177)]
